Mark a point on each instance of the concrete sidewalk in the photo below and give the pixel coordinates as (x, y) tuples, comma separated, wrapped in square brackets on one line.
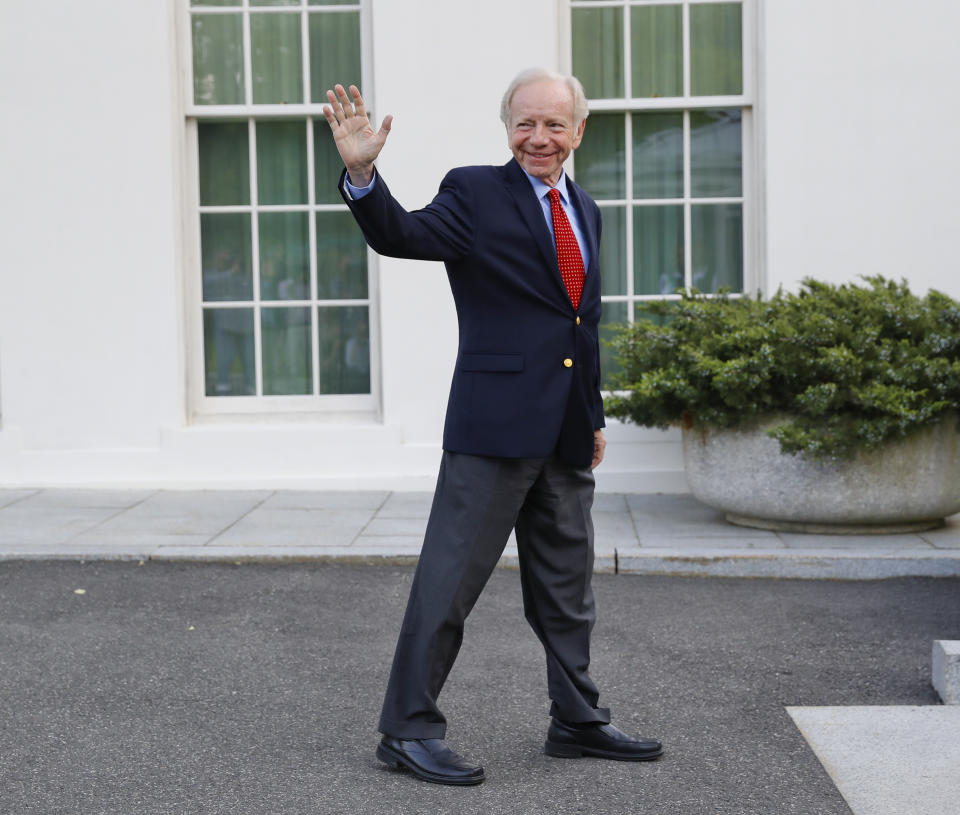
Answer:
[(635, 534)]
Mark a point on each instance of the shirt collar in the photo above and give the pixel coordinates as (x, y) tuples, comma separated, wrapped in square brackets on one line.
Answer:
[(541, 188)]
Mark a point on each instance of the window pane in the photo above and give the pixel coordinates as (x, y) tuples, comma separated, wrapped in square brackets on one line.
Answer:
[(274, 2), (284, 256), (656, 51), (341, 257), (613, 251), (600, 157), (598, 51), (228, 351), (717, 247), (334, 3), (282, 162), (716, 153), (716, 49), (327, 164), (216, 2), (225, 255), (657, 249), (224, 163), (277, 58), (285, 333), (334, 52), (344, 349), (613, 314), (217, 59), (657, 155)]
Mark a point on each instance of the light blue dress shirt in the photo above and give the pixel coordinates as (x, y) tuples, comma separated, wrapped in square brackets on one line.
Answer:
[(540, 188)]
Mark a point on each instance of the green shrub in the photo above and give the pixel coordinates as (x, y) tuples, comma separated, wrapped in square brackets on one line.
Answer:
[(846, 368)]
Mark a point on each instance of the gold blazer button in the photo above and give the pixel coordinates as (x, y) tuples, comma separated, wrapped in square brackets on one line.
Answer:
[(568, 363)]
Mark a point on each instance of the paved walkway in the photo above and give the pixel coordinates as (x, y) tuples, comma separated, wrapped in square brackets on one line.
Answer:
[(635, 534), (920, 776)]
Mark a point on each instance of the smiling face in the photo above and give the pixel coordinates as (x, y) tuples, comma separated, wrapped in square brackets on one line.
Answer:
[(542, 131)]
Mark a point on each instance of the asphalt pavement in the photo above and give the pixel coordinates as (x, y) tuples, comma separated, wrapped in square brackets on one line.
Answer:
[(142, 687), (226, 651)]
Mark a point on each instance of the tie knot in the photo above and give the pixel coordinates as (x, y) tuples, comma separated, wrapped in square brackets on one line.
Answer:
[(554, 195)]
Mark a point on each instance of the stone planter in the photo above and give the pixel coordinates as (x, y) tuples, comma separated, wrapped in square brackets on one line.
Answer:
[(908, 486)]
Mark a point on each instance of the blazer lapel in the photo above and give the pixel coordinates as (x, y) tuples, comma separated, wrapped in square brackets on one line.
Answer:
[(532, 214), (577, 197)]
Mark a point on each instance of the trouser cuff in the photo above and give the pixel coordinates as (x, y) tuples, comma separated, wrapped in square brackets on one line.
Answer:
[(412, 730), (599, 715)]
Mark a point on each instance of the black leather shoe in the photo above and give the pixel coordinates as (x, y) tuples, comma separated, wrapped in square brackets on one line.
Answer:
[(600, 740), (430, 760)]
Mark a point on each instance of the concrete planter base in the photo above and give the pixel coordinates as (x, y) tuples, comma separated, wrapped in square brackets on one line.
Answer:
[(909, 486), (833, 528)]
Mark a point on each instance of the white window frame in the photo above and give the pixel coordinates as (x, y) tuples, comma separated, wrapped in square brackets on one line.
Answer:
[(751, 193), (200, 405)]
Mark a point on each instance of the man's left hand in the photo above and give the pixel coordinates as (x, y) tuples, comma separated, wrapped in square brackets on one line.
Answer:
[(599, 445)]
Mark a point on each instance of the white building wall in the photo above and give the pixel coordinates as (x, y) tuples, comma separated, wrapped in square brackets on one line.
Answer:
[(856, 172), (89, 314), (860, 134)]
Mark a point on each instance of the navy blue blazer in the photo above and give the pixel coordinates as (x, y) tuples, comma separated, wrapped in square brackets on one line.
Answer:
[(527, 378)]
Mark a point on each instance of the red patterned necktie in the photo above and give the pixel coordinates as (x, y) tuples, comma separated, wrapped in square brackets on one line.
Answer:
[(568, 251)]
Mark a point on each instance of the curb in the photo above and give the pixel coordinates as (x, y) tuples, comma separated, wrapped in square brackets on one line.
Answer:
[(786, 564)]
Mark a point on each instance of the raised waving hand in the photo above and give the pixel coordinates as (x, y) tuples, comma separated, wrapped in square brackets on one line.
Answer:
[(357, 142)]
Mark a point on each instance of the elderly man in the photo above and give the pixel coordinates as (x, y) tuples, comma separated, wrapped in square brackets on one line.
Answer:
[(524, 417)]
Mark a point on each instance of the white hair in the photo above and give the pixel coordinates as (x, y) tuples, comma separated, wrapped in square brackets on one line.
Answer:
[(580, 110)]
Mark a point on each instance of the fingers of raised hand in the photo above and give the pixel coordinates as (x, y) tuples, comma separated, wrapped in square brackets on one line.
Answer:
[(358, 105), (339, 107), (334, 111), (329, 115), (344, 100)]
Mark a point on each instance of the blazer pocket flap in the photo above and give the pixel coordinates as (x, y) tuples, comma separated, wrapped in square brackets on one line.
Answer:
[(492, 362)]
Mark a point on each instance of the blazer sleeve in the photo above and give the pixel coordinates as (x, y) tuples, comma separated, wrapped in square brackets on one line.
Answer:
[(442, 230)]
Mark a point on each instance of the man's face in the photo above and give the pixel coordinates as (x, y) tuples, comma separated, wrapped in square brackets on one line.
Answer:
[(542, 132)]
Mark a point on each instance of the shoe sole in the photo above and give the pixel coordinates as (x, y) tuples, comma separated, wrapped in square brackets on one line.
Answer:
[(560, 750), (398, 762)]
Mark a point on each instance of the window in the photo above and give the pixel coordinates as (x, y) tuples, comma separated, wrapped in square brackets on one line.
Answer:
[(285, 288), (663, 152)]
